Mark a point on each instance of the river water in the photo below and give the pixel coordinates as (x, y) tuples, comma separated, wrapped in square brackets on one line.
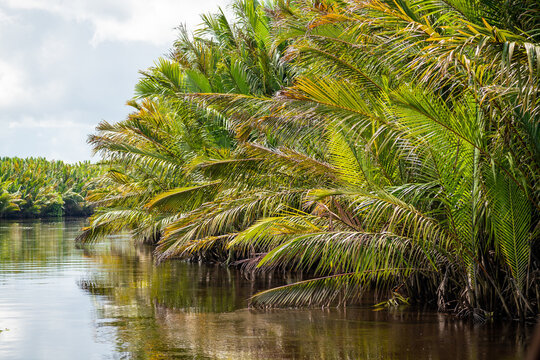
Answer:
[(109, 301)]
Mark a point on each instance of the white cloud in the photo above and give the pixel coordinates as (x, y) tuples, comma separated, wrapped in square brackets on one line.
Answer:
[(67, 64), (5, 18), (52, 50), (29, 122), (126, 20), (12, 84), (53, 136), (18, 90)]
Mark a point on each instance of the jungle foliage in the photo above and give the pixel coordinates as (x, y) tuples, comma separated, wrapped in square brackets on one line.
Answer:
[(36, 187), (380, 144)]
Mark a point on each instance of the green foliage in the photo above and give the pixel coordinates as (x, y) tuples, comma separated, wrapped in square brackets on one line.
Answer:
[(40, 188), (377, 144)]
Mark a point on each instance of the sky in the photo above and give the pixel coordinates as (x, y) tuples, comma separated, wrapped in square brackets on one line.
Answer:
[(65, 65)]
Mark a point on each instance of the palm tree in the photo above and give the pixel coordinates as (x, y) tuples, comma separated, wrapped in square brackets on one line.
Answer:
[(41, 188), (158, 151), (437, 164), (8, 201), (397, 149)]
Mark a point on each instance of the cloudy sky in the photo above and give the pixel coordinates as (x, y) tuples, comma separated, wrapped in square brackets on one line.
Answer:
[(65, 65)]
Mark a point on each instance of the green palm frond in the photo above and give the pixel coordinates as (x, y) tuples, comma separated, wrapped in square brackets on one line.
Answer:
[(185, 199), (511, 226)]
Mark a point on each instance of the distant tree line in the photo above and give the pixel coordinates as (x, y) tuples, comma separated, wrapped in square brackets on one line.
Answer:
[(36, 188)]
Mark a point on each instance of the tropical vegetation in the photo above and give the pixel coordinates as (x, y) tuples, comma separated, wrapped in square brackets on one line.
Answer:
[(36, 187), (387, 145)]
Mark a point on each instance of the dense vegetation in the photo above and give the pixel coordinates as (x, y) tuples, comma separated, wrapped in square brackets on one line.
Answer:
[(31, 188), (387, 144)]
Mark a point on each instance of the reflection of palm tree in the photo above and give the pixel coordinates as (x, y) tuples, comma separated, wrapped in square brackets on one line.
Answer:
[(132, 276), (31, 242), (186, 308)]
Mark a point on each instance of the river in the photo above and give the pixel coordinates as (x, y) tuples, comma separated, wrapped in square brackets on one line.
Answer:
[(110, 301)]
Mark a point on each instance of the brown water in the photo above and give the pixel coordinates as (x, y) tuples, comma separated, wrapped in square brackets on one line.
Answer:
[(111, 302)]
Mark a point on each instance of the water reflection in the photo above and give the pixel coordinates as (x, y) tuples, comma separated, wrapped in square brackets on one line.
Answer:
[(130, 273), (111, 301)]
